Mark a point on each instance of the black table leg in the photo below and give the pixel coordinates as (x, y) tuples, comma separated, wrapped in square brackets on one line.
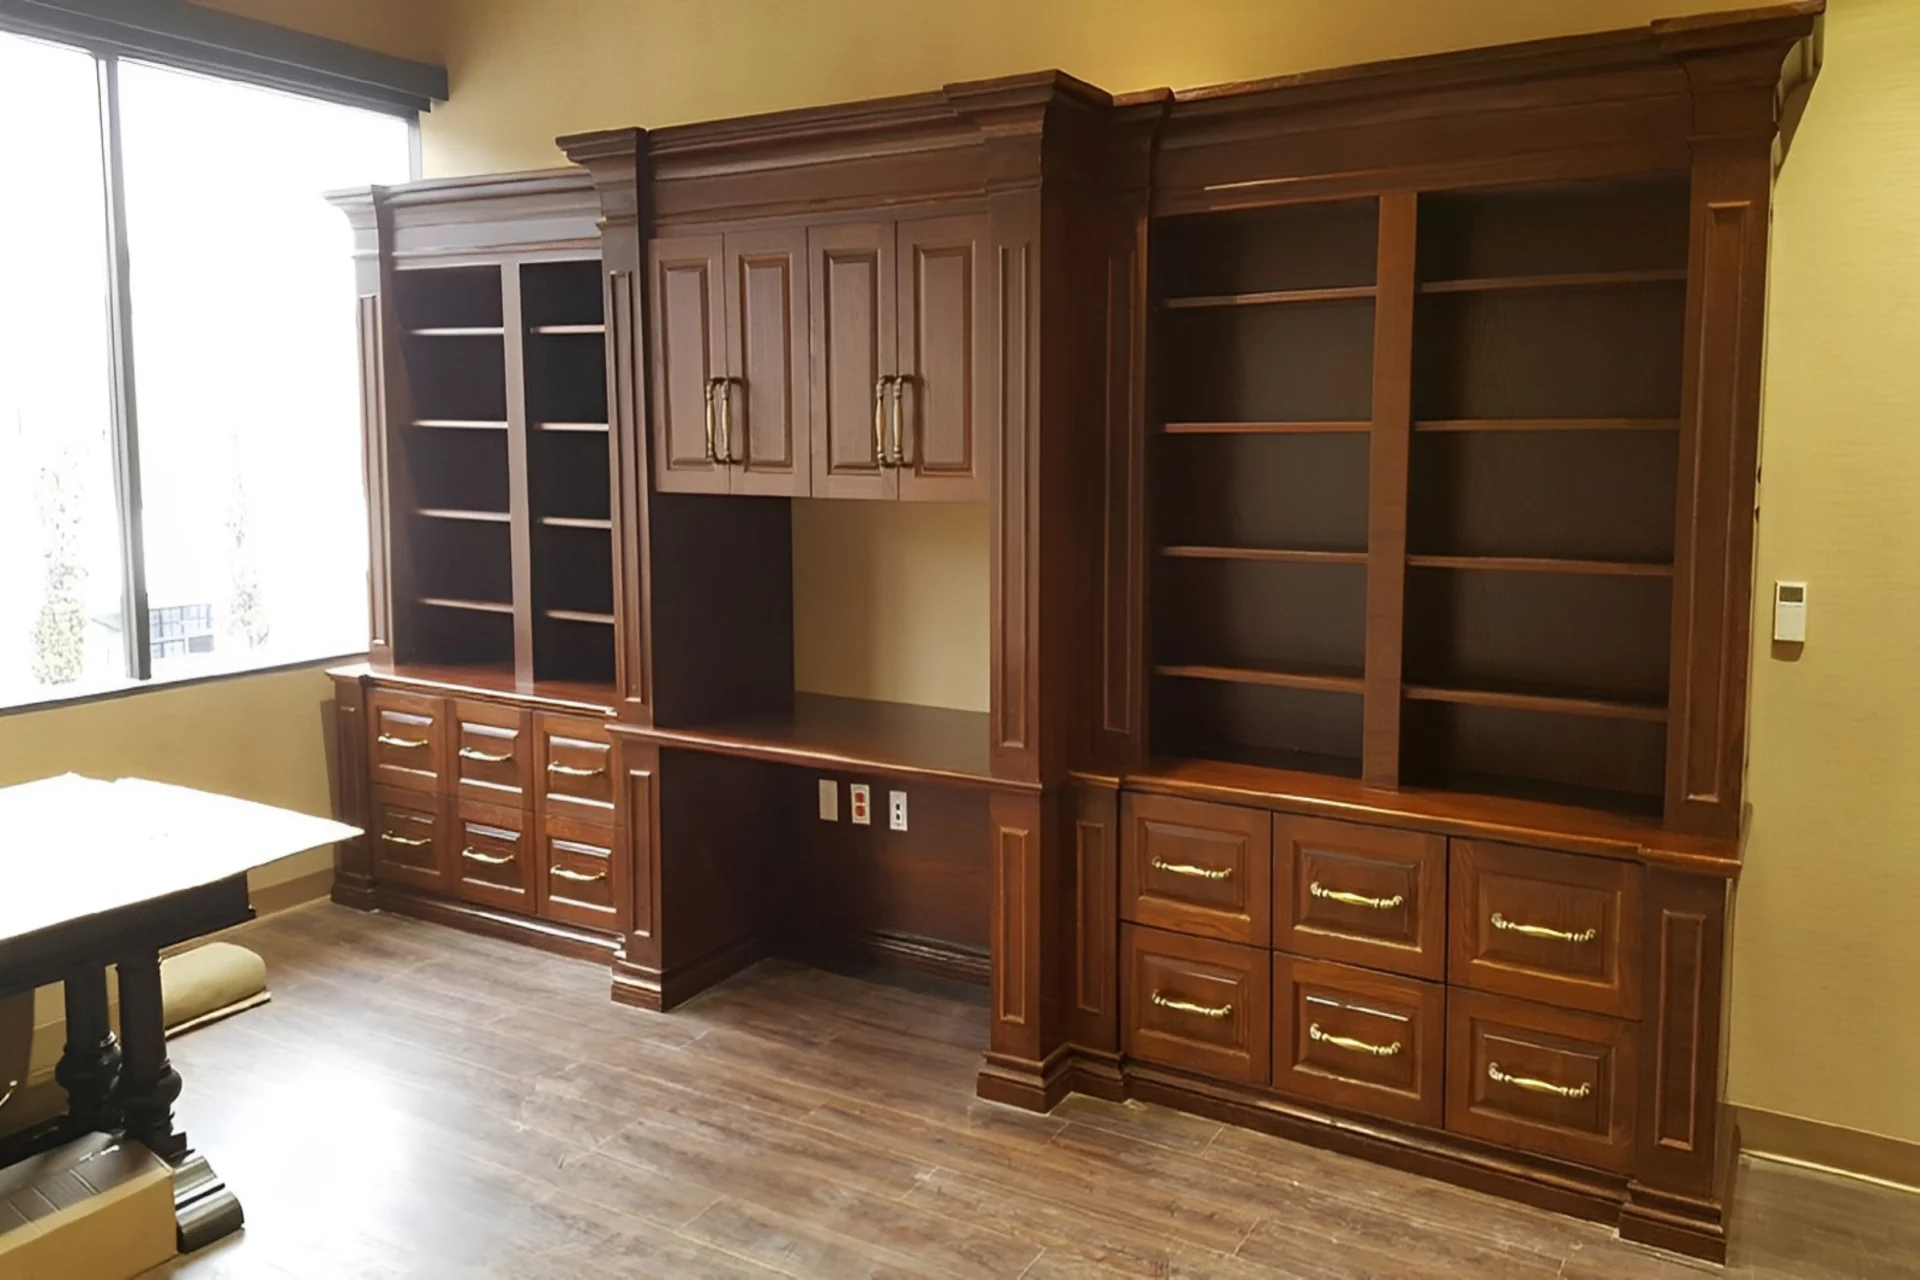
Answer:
[(204, 1209), (89, 1065)]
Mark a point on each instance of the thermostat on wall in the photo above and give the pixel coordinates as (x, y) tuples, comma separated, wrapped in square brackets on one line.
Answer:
[(1790, 612)]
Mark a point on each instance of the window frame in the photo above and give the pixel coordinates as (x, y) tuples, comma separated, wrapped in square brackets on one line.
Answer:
[(85, 27)]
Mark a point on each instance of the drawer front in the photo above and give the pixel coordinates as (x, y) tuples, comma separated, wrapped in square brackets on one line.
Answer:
[(575, 767), (408, 738), (1363, 895), (408, 839), (492, 862), (492, 759), (581, 882), (1543, 1079), (1553, 927), (1368, 1042), (1197, 868), (1196, 1003)]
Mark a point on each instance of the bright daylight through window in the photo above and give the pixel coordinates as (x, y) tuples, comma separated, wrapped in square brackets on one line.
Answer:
[(241, 382)]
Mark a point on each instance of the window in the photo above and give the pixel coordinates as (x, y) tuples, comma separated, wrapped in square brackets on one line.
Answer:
[(180, 487)]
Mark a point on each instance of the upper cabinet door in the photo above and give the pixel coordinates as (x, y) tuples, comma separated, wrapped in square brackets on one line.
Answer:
[(686, 349), (946, 387), (851, 283), (763, 419)]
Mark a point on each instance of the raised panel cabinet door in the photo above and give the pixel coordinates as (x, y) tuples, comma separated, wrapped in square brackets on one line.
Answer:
[(764, 411), (1365, 1041), (490, 858), (686, 351), (943, 398), (409, 839), (1196, 868), (406, 738), (492, 759), (850, 287), (1365, 895), (582, 882), (1196, 1004)]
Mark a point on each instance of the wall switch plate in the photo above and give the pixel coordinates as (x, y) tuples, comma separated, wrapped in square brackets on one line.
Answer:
[(860, 803), (897, 810), (1790, 612), (829, 800)]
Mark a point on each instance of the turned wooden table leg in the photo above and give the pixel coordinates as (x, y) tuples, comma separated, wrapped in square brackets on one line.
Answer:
[(204, 1210), (89, 1067)]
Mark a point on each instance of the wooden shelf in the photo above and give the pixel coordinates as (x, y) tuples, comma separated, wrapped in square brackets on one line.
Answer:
[(1571, 280), (1543, 564), (575, 522), (559, 695), (457, 513), (1326, 681), (1548, 424), (471, 606), (459, 331), (1603, 706), (824, 731), (578, 615), (1268, 297), (599, 428), (567, 330), (1262, 428), (1277, 555), (458, 424)]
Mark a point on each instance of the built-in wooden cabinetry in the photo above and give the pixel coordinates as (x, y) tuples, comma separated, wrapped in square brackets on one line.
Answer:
[(1369, 463)]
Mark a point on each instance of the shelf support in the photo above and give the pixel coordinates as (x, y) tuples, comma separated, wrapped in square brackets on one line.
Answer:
[(1387, 487)]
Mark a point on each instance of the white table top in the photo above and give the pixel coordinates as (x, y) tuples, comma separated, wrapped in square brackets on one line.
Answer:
[(72, 847)]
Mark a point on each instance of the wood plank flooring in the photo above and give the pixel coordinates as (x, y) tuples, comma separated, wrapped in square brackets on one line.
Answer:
[(419, 1102)]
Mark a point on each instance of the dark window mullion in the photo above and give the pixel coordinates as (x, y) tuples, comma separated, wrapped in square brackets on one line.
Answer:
[(126, 417)]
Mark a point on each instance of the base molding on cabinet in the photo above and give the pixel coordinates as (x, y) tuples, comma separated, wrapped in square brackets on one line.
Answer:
[(877, 947), (1023, 1083), (351, 890), (643, 987), (565, 940)]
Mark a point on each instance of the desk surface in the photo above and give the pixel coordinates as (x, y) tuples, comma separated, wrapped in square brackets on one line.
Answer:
[(73, 847)]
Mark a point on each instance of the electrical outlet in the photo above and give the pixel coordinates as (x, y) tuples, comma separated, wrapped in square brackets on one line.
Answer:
[(897, 810), (860, 802), (829, 800)]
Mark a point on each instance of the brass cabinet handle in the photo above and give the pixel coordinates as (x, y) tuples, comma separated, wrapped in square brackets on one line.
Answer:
[(578, 877), (899, 415), (402, 744), (726, 420), (1356, 899), (574, 771), (880, 419), (712, 456), (1188, 869), (410, 842), (1166, 1001), (484, 757), (488, 859), (1348, 1043), (1575, 1092), (1505, 925)]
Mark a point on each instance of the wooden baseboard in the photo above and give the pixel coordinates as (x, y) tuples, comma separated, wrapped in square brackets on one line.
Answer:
[(1854, 1153), (561, 939), (297, 892)]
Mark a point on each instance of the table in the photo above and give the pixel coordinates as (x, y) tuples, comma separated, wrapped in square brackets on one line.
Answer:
[(94, 873)]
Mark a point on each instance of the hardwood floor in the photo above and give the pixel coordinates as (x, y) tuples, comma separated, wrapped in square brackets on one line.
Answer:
[(419, 1102)]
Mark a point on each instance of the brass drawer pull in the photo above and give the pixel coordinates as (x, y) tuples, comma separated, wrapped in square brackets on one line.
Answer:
[(712, 455), (402, 744), (578, 877), (1574, 1092), (1165, 1001), (880, 458), (485, 757), (1188, 869), (1355, 1046), (488, 859), (899, 458), (572, 771), (1542, 931), (410, 842), (1357, 899)]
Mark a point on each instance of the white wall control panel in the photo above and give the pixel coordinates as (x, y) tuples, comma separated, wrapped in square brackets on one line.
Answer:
[(1790, 612), (829, 800), (897, 810), (860, 803)]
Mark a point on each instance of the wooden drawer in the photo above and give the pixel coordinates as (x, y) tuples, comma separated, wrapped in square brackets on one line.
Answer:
[(1553, 927), (407, 739), (575, 764), (492, 863), (408, 838), (1197, 868), (581, 882), (1196, 1003), (492, 759), (1368, 1042), (1364, 895), (1543, 1079)]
